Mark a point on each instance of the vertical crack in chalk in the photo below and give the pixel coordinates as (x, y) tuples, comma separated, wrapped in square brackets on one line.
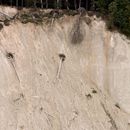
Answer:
[(112, 121)]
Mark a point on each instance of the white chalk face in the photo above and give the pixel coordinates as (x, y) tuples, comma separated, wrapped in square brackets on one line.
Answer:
[(119, 71), (87, 91)]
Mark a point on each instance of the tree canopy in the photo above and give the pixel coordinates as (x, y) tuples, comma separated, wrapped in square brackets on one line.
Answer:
[(118, 12)]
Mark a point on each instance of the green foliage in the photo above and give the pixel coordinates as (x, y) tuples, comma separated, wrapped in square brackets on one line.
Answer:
[(118, 12), (57, 4), (120, 15), (103, 5)]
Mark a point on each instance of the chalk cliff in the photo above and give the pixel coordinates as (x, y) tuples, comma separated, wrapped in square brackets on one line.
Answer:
[(48, 81)]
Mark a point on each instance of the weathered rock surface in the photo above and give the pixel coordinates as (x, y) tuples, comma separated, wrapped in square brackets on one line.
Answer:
[(49, 83)]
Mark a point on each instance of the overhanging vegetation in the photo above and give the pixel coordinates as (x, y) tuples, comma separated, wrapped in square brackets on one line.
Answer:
[(117, 12)]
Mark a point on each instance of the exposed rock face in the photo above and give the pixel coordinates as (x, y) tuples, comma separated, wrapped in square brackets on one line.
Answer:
[(48, 83)]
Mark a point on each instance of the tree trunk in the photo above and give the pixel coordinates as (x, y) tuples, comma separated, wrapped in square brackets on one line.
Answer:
[(79, 3), (22, 3), (87, 8), (35, 4), (11, 2), (16, 3), (42, 4), (46, 3), (57, 4), (75, 4), (67, 4)]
